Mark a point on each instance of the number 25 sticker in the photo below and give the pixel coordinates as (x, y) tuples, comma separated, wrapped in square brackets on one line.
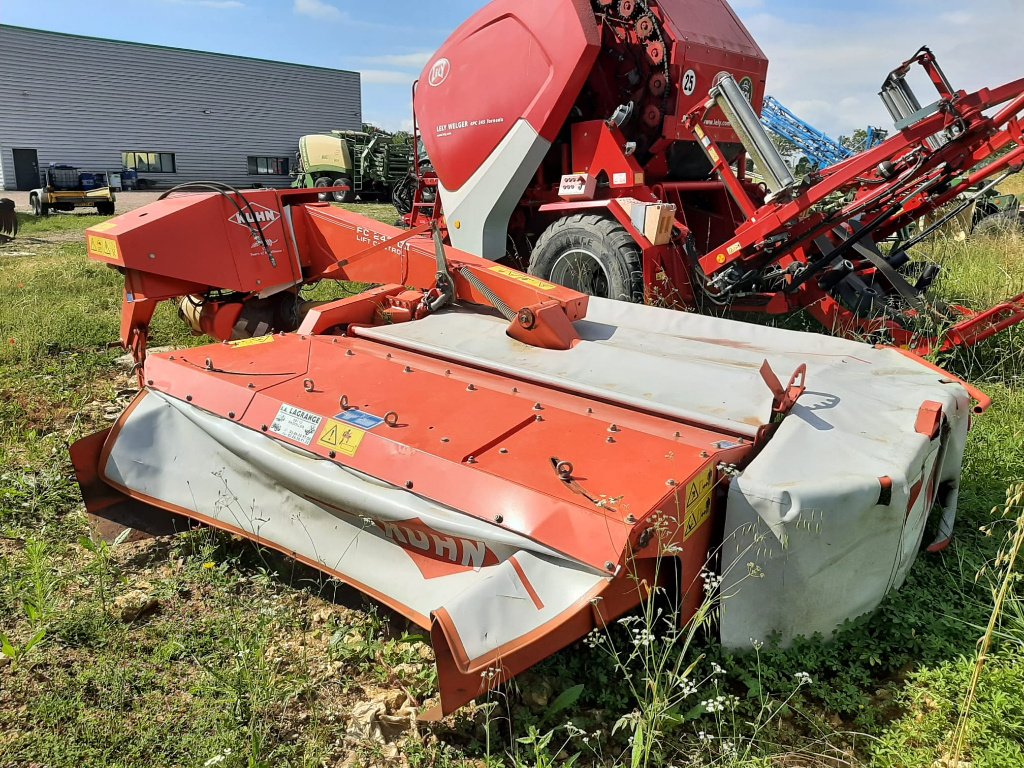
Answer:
[(689, 82)]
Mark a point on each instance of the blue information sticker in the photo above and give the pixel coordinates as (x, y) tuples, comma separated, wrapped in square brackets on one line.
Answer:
[(360, 419)]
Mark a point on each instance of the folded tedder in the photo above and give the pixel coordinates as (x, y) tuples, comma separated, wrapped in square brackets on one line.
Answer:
[(511, 463)]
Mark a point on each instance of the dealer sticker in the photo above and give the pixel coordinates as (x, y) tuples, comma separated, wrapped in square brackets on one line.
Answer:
[(341, 437), (361, 419), (296, 424)]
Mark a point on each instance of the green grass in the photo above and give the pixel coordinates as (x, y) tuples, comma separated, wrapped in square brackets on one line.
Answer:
[(29, 225), (251, 660), (1014, 185), (384, 212)]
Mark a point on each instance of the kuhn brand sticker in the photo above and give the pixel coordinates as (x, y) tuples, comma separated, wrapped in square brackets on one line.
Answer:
[(254, 214), (360, 419), (419, 538), (242, 343), (296, 424), (341, 437), (531, 281), (439, 71)]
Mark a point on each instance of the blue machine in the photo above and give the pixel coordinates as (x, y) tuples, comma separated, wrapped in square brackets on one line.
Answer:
[(819, 148)]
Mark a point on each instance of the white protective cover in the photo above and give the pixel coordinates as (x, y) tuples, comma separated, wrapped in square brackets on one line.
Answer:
[(807, 545), (804, 512), (240, 479)]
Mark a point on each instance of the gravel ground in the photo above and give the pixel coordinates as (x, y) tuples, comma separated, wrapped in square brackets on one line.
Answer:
[(126, 201)]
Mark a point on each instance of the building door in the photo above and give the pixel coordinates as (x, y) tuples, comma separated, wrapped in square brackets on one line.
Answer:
[(26, 169)]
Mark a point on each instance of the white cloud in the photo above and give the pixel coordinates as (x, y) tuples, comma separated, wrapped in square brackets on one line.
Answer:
[(957, 17), (317, 9), (219, 4), (828, 67), (388, 120), (416, 60), (386, 77)]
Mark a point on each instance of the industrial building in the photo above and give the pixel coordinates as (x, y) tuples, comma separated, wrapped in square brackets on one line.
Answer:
[(173, 115)]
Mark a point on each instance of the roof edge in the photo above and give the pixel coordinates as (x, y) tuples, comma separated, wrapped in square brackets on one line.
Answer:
[(176, 48)]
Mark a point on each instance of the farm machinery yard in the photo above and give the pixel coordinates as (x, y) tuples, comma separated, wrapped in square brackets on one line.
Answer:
[(429, 415)]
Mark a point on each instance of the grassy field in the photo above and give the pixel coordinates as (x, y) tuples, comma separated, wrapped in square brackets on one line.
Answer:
[(202, 650), (1013, 186)]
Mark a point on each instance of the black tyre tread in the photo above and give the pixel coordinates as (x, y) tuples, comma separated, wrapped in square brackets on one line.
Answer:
[(999, 223), (322, 196), (345, 197), (612, 233)]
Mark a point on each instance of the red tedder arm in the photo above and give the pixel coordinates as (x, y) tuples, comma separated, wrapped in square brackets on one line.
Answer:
[(811, 244)]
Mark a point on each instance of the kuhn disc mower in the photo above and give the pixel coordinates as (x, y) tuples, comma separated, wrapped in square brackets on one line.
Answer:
[(605, 145), (503, 460)]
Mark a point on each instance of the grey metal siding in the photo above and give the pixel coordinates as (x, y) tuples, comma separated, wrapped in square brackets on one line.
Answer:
[(212, 111)]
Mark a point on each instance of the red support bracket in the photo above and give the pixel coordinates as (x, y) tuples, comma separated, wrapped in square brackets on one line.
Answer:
[(929, 419), (784, 398)]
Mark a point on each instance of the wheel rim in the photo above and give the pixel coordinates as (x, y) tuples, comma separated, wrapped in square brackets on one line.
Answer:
[(580, 270)]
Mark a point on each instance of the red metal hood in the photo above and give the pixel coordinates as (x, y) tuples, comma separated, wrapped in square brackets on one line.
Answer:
[(718, 26), (512, 60)]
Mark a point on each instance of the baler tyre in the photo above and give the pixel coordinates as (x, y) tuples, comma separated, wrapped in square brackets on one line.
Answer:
[(590, 254), (1002, 223), (344, 197), (323, 181)]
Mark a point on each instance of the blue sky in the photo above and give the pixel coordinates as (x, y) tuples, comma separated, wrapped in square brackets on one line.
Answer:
[(826, 58)]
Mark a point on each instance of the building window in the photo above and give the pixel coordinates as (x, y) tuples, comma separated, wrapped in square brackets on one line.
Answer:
[(268, 166), (149, 162)]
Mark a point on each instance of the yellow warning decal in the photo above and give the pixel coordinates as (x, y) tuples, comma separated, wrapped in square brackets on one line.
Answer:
[(251, 342), (103, 226), (533, 282), (698, 502), (733, 248), (102, 246), (713, 155), (341, 437), (696, 515)]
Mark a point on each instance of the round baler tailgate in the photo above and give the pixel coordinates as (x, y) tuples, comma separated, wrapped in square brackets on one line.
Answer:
[(490, 103)]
